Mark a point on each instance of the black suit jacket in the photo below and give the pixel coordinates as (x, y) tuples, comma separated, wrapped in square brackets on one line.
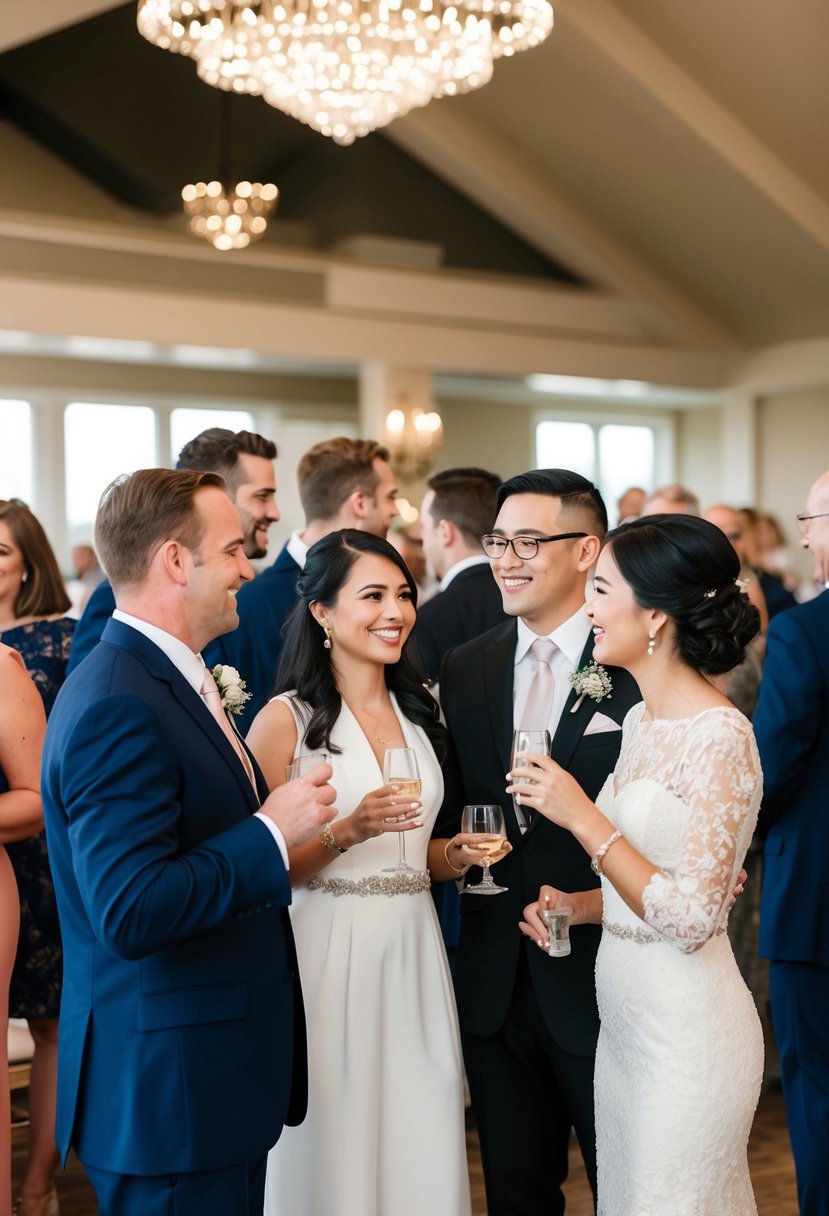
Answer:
[(476, 688), (469, 606)]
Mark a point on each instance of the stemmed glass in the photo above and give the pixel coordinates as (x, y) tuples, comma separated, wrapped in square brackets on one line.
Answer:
[(487, 822), (537, 742), (401, 771)]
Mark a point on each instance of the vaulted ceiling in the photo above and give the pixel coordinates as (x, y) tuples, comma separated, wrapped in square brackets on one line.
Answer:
[(665, 157)]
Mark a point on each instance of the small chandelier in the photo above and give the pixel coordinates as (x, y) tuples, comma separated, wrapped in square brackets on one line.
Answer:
[(229, 216), (413, 437), (345, 67)]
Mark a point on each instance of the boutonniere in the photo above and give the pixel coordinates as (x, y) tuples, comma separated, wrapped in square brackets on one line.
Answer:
[(591, 681), (231, 688)]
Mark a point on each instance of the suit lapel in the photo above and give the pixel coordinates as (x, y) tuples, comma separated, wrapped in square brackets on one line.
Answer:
[(499, 679)]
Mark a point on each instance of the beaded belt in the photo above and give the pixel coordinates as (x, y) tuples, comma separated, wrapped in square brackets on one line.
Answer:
[(642, 936), (373, 884)]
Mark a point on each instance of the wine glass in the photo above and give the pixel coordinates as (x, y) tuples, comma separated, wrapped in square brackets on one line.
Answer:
[(487, 822), (303, 764), (538, 743), (401, 771)]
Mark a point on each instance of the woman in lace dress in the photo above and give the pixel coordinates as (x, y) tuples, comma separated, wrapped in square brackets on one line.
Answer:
[(679, 1059), (22, 726), (33, 601), (384, 1133)]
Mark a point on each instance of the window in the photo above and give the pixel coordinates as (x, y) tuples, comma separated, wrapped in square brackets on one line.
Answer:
[(102, 441), (186, 424), (614, 455), (16, 450)]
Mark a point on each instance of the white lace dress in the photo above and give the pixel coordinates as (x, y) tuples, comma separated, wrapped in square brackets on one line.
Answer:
[(680, 1054), (384, 1134)]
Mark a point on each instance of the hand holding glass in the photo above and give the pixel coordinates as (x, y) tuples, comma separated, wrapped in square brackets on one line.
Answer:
[(401, 771), (303, 764), (557, 924), (488, 823), (537, 742)]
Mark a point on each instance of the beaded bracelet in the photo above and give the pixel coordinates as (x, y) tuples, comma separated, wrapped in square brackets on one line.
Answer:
[(599, 856), (328, 840), (460, 873)]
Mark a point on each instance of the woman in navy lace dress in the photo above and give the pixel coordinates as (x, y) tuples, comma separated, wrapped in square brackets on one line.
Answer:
[(33, 600)]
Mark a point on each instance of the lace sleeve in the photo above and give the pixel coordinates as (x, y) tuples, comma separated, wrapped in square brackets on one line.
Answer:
[(719, 779)]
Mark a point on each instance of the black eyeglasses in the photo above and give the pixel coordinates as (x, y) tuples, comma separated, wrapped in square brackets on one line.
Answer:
[(524, 547), (803, 520)]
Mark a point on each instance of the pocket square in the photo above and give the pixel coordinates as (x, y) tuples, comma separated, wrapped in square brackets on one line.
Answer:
[(600, 723)]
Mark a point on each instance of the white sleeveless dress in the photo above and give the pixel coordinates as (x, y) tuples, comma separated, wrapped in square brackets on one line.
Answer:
[(384, 1134), (680, 1054)]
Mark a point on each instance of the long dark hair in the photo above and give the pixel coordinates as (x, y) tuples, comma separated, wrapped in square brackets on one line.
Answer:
[(306, 664), (687, 568), (42, 592)]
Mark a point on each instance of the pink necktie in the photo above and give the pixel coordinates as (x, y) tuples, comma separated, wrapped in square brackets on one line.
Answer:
[(536, 715), (213, 700)]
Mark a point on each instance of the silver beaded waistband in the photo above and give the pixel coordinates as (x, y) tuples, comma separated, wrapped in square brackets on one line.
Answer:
[(373, 884), (642, 936)]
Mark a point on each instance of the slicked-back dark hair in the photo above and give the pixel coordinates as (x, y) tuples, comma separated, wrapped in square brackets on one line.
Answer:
[(217, 450), (575, 492)]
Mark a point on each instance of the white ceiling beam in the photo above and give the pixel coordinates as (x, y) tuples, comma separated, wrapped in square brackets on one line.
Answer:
[(499, 181), (621, 41), (24, 23)]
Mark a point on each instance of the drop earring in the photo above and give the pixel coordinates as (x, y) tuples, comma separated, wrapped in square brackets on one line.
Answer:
[(327, 642), (651, 644)]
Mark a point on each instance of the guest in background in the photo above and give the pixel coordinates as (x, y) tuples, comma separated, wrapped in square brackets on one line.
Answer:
[(384, 1134), (772, 551), (33, 601), (22, 726), (777, 594), (672, 499), (88, 575), (792, 727), (245, 461), (457, 510), (343, 483), (731, 522), (630, 504), (407, 539)]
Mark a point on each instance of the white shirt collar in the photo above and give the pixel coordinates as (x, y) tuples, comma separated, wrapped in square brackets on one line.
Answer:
[(298, 549), (570, 637), (190, 665), (466, 563)]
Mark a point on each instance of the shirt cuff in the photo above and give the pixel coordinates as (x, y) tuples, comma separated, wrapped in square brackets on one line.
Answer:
[(277, 835)]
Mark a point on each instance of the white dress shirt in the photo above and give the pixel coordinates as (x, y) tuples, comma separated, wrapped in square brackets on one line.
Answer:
[(297, 549), (466, 563), (570, 640), (191, 667)]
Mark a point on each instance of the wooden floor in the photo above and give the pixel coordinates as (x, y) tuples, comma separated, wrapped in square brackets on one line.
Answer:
[(770, 1157)]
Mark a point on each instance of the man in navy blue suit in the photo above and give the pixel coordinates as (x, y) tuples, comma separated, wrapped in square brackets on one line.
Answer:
[(182, 1035), (791, 722), (343, 483), (245, 461)]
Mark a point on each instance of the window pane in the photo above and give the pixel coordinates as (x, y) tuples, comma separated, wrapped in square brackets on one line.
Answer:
[(102, 441), (566, 445), (16, 450), (186, 424), (626, 458)]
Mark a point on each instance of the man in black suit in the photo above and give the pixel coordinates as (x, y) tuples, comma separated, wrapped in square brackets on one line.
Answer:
[(457, 509), (529, 1023)]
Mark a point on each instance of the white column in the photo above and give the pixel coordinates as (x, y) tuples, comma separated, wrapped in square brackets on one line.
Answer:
[(739, 449)]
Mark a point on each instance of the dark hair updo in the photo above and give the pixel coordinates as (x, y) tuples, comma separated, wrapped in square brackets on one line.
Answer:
[(306, 664), (687, 568)]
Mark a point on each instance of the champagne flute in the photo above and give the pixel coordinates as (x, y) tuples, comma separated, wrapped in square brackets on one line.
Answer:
[(487, 822), (537, 742), (400, 770)]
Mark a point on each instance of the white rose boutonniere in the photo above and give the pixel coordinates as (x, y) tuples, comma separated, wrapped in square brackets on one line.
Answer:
[(231, 688), (591, 681)]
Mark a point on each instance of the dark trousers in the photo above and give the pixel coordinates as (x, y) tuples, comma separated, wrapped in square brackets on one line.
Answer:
[(800, 1014), (236, 1190), (528, 1093)]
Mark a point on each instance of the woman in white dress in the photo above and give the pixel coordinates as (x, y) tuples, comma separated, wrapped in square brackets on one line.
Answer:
[(384, 1134), (679, 1059)]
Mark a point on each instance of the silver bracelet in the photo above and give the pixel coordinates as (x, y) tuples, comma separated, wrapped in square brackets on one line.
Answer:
[(328, 840), (599, 855)]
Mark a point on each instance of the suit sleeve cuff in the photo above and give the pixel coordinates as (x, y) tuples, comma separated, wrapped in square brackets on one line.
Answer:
[(277, 835)]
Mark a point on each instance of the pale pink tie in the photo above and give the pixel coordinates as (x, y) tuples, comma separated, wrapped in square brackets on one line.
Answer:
[(536, 715), (213, 700)]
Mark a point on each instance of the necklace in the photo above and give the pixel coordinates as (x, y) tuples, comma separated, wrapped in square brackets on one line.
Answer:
[(376, 726)]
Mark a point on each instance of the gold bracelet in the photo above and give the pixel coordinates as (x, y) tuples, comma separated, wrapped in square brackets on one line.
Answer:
[(601, 851), (460, 873), (328, 840)]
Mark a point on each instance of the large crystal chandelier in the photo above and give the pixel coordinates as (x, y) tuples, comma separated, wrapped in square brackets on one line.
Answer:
[(345, 67)]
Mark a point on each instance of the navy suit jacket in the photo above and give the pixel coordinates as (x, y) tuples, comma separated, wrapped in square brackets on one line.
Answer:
[(476, 686), (469, 606), (791, 723), (99, 608), (255, 647), (182, 1037)]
